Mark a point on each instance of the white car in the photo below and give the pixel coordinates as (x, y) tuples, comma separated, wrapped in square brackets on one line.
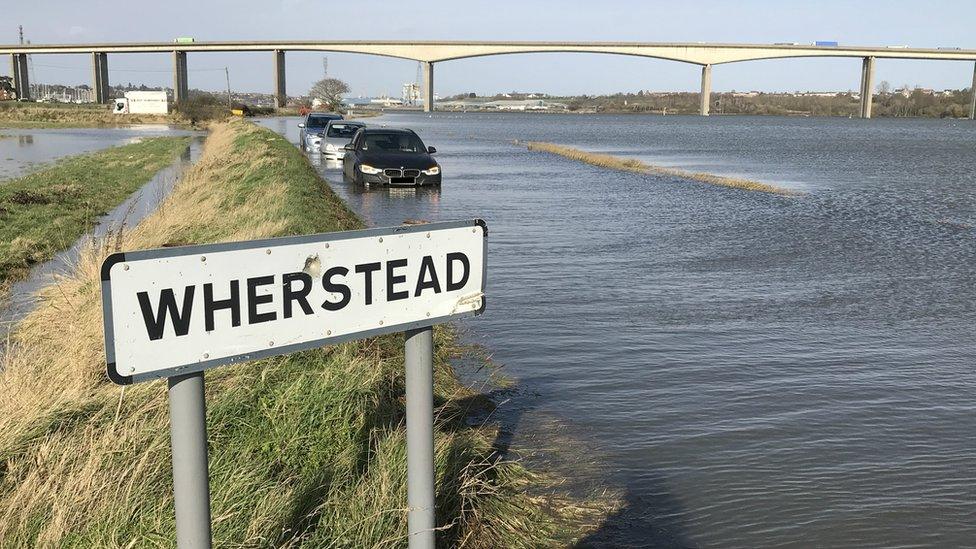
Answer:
[(338, 134)]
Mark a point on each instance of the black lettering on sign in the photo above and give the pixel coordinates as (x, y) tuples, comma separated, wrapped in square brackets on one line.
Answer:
[(301, 296), (233, 303), (156, 323), (253, 300), (337, 288), (451, 258), (392, 280), (368, 269), (427, 266)]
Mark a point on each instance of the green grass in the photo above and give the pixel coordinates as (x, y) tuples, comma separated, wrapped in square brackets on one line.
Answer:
[(45, 212), (306, 450)]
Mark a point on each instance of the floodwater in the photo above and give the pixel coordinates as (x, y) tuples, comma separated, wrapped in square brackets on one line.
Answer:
[(138, 205), (746, 370), (25, 150)]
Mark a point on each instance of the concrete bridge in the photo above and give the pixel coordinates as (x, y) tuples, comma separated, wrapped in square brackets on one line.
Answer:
[(428, 53)]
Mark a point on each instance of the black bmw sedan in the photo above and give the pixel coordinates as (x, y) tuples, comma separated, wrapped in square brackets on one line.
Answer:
[(386, 156)]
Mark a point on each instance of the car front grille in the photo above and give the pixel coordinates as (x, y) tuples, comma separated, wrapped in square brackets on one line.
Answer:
[(396, 172)]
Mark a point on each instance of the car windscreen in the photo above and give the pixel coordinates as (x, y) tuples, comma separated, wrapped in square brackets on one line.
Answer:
[(395, 142), (343, 130), (318, 121)]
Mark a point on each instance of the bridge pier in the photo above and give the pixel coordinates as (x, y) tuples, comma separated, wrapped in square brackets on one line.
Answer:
[(867, 86), (100, 77), (15, 71), (281, 98), (181, 87), (972, 99), (428, 86), (18, 64), (706, 90)]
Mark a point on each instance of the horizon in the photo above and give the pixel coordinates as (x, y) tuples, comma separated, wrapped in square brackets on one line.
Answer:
[(870, 23)]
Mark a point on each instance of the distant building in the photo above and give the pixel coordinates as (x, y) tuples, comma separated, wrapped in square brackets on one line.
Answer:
[(385, 102), (410, 95), (524, 105)]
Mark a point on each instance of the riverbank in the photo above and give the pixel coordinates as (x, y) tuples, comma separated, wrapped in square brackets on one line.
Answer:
[(306, 450), (634, 165), (14, 114), (45, 212)]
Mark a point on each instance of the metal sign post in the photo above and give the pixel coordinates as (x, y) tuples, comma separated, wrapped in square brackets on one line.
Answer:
[(175, 312), (419, 359), (191, 481)]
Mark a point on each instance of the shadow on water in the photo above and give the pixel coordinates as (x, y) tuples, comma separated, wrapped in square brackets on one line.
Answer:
[(646, 515)]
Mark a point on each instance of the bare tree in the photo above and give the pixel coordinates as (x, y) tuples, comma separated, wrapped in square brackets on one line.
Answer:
[(884, 88), (329, 91)]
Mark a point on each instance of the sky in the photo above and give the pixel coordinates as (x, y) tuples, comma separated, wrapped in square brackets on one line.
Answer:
[(858, 22)]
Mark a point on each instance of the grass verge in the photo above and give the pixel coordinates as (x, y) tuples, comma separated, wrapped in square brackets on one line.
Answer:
[(46, 211), (15, 114), (306, 450), (634, 165)]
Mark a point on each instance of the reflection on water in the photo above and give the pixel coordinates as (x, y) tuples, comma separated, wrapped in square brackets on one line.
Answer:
[(751, 370), (35, 147)]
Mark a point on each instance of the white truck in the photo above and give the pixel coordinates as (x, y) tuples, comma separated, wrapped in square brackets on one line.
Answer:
[(142, 102)]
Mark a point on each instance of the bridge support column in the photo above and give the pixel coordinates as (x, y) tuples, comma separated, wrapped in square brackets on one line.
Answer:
[(428, 86), (18, 64), (706, 90), (281, 98), (972, 99), (100, 77), (181, 87), (15, 71), (867, 86)]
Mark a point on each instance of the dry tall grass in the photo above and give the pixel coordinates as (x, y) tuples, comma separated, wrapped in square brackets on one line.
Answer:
[(306, 450), (634, 165), (32, 115)]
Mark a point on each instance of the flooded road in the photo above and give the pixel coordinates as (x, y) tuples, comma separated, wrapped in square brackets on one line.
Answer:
[(22, 295), (748, 370), (23, 150)]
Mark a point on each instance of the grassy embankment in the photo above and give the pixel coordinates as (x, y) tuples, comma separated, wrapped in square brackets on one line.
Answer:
[(197, 112), (634, 165), (45, 212), (14, 114), (305, 450)]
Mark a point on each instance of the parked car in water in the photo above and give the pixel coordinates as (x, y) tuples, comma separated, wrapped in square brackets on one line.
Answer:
[(338, 134), (386, 156), (311, 128)]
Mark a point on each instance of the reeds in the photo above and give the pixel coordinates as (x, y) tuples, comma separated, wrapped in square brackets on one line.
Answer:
[(634, 165)]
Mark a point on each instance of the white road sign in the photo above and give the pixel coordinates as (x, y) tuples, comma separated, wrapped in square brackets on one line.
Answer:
[(178, 310)]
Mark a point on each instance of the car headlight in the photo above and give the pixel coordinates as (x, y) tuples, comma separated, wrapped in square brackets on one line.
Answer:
[(432, 171), (367, 169)]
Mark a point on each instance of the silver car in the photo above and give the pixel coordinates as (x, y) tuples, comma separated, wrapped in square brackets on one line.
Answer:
[(338, 134)]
